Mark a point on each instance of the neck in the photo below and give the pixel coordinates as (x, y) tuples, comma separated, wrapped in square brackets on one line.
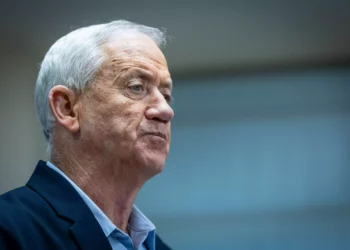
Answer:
[(112, 186)]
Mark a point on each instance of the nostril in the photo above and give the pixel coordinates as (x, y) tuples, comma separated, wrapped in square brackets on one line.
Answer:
[(160, 120), (157, 119)]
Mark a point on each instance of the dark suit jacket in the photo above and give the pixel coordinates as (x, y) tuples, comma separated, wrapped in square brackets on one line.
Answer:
[(48, 213)]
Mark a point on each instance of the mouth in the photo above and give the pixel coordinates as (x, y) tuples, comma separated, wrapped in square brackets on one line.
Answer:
[(158, 134)]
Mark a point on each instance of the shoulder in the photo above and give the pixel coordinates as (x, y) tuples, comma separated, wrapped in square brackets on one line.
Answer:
[(15, 205), (13, 201), (18, 198), (27, 220), (22, 209), (14, 216)]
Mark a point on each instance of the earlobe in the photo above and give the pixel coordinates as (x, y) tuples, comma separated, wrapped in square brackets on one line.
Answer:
[(63, 105)]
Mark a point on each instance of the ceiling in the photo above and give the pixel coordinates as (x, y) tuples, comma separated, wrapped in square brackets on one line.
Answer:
[(207, 36)]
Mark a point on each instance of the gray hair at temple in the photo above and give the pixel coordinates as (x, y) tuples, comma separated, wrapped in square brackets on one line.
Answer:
[(75, 58)]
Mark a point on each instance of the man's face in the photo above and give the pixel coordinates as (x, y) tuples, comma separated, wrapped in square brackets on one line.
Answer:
[(125, 114)]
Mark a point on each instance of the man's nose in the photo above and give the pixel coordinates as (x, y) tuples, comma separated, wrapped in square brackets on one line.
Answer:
[(159, 109)]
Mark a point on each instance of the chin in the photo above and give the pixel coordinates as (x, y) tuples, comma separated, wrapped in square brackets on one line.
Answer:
[(153, 164), (151, 157), (157, 165)]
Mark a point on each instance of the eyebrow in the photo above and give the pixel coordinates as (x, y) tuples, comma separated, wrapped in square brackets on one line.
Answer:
[(147, 76), (141, 73), (167, 84)]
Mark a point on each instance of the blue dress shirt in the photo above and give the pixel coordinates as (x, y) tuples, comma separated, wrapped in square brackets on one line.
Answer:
[(141, 229)]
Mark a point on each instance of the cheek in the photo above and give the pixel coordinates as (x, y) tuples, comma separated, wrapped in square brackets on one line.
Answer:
[(112, 117), (169, 134), (169, 129), (131, 116), (124, 121)]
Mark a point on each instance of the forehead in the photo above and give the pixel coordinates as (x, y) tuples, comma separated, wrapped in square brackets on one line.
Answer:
[(135, 50)]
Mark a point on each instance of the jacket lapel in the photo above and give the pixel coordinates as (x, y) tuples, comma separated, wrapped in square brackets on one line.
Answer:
[(68, 205), (160, 245), (86, 238)]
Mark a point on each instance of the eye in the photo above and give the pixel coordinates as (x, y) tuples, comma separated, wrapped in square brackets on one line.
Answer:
[(137, 88), (168, 98)]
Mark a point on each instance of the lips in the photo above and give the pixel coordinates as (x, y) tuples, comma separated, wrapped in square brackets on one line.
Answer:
[(159, 134)]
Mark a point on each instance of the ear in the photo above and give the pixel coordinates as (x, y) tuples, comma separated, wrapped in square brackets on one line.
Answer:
[(63, 105)]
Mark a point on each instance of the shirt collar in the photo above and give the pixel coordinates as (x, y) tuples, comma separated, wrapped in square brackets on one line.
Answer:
[(138, 222)]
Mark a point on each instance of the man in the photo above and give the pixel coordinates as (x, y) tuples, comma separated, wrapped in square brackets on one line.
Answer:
[(102, 96)]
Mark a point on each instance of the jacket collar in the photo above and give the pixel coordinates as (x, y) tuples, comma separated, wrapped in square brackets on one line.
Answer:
[(68, 205)]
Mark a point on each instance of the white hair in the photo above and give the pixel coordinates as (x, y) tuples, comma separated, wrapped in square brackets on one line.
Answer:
[(74, 59)]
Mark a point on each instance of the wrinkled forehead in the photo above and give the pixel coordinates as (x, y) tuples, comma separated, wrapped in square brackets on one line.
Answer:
[(133, 45), (131, 51)]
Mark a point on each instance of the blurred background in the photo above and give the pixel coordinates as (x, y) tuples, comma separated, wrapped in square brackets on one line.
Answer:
[(260, 155)]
